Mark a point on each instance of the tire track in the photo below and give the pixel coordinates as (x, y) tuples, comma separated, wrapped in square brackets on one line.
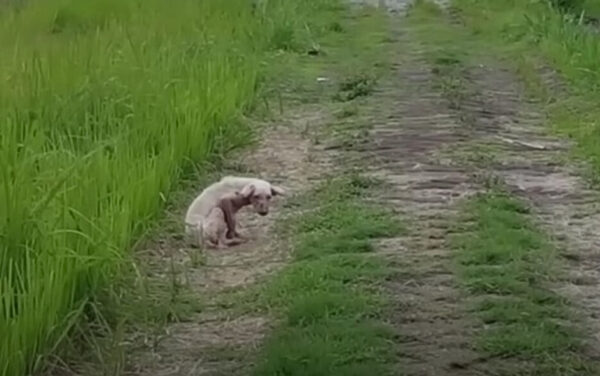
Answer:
[(411, 123), (532, 164)]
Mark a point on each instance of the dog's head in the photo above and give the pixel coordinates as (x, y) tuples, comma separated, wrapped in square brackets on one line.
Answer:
[(260, 194)]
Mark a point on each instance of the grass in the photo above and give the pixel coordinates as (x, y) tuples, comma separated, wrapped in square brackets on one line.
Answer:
[(506, 263), (356, 86), (105, 105), (532, 36), (343, 62), (329, 298)]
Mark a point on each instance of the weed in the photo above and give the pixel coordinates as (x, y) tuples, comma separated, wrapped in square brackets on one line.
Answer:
[(448, 70), (346, 112), (336, 27), (354, 87), (568, 5), (477, 155), (284, 38)]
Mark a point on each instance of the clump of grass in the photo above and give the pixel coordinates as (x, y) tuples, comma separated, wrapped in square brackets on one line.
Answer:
[(449, 81), (568, 5), (328, 296), (284, 37), (330, 347), (77, 17), (477, 155), (357, 86), (346, 112), (506, 262), (335, 26), (453, 89)]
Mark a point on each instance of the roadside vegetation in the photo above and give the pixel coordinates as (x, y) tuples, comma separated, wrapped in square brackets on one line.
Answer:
[(562, 35), (105, 104)]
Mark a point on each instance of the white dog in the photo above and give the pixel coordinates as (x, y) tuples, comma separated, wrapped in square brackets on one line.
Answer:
[(211, 216)]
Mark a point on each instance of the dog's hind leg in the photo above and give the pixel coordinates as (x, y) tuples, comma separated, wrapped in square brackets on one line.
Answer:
[(193, 235)]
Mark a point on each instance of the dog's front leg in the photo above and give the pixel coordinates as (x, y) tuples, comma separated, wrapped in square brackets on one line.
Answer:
[(235, 238), (229, 214)]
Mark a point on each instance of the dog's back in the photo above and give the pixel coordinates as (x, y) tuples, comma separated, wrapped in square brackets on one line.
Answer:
[(201, 207)]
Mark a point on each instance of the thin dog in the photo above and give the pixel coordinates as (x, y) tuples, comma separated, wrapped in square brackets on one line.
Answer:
[(210, 218)]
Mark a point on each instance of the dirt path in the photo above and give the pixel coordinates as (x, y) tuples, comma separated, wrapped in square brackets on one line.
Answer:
[(216, 341)]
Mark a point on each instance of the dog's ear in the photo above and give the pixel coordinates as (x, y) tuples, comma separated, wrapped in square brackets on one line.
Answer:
[(277, 191), (248, 190)]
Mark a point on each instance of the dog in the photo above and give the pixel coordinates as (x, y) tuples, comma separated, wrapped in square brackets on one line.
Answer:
[(210, 219)]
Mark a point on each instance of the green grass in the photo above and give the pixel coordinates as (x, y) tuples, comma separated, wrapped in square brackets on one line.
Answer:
[(354, 87), (530, 36), (350, 61), (104, 105), (585, 10), (330, 298), (506, 263)]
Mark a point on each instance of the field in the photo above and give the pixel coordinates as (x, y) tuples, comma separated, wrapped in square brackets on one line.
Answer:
[(441, 158)]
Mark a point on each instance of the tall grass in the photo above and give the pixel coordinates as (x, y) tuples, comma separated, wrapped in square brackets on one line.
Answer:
[(102, 104)]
